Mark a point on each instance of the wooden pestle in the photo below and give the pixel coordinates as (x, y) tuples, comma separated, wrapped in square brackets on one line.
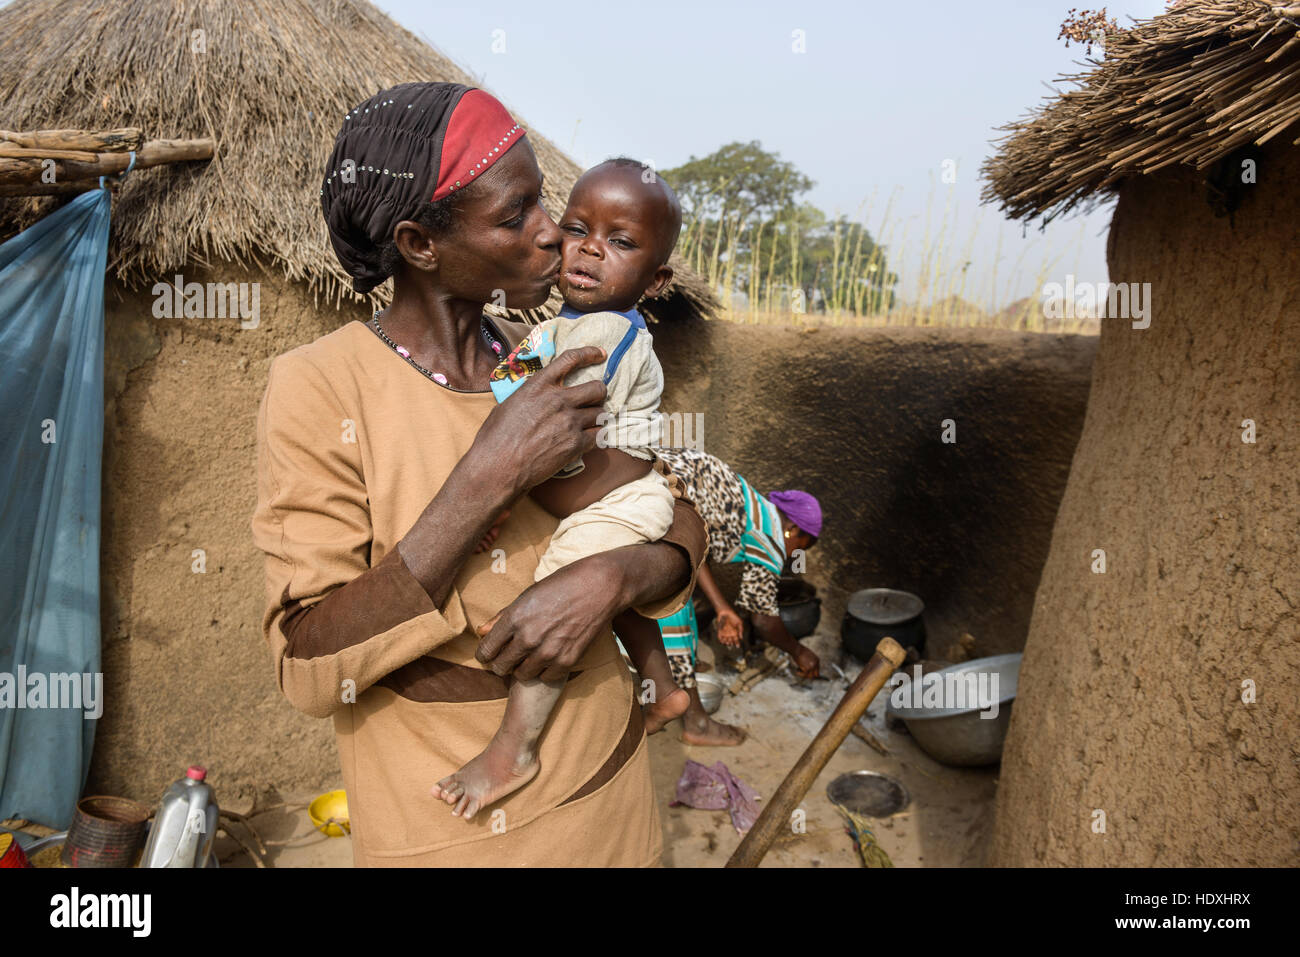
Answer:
[(776, 813)]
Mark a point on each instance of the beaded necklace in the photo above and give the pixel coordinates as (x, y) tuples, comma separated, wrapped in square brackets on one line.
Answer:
[(489, 338)]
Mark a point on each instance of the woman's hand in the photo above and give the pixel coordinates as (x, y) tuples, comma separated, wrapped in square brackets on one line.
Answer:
[(523, 441), (806, 663), (544, 426), (772, 629), (547, 628), (730, 627)]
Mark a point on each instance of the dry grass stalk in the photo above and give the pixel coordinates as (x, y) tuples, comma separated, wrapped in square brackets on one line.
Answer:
[(1189, 86)]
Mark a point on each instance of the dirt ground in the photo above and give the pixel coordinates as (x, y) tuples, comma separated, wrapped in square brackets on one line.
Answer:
[(947, 824)]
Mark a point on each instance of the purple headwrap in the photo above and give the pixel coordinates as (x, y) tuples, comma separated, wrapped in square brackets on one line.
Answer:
[(801, 508)]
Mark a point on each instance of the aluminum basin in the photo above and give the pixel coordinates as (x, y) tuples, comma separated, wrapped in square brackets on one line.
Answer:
[(962, 736)]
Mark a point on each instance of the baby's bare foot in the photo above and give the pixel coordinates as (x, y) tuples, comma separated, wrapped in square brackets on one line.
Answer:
[(500, 770), (659, 713)]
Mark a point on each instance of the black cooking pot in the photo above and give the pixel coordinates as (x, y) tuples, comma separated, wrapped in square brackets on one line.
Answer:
[(876, 613), (800, 607)]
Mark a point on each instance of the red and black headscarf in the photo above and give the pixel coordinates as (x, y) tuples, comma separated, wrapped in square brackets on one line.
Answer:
[(403, 147)]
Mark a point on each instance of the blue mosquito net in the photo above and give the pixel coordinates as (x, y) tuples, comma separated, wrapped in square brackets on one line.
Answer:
[(51, 437)]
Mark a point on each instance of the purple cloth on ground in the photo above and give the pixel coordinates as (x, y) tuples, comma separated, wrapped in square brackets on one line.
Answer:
[(801, 508), (716, 788)]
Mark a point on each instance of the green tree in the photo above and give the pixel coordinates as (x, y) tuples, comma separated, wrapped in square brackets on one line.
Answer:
[(746, 230), (742, 179)]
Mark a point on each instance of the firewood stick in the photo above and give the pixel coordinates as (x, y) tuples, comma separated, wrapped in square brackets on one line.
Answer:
[(869, 738), (243, 843), (153, 153), (106, 141), (776, 813)]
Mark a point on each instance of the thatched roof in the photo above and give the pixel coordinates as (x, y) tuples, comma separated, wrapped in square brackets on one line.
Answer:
[(1189, 87), (271, 85)]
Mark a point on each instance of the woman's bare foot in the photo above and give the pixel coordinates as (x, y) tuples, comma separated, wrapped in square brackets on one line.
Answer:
[(712, 733), (659, 713), (500, 770), (698, 728)]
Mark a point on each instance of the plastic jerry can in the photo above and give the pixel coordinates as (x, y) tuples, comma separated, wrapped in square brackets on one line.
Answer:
[(185, 825)]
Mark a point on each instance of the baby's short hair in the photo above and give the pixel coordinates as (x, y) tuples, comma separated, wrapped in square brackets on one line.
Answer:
[(674, 207)]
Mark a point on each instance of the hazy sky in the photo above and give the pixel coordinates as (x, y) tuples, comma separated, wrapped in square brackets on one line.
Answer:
[(884, 94)]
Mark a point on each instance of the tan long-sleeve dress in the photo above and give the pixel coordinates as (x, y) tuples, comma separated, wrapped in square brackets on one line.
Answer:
[(352, 444)]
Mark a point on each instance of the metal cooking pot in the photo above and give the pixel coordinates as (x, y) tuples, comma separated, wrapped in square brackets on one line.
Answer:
[(800, 607), (876, 613)]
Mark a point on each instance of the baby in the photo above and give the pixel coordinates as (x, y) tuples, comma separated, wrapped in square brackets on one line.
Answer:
[(619, 228)]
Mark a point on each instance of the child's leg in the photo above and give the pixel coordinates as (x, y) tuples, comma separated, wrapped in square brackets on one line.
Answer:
[(622, 517), (510, 759), (662, 700)]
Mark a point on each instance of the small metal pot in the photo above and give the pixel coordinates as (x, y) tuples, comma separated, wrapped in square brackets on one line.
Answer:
[(711, 690), (876, 613)]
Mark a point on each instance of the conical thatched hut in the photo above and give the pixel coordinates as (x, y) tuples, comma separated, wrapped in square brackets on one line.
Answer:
[(1157, 717), (186, 673)]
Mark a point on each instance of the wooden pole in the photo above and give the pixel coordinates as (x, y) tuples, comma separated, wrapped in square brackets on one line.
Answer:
[(14, 151), (108, 141), (56, 189), (776, 813), (15, 171)]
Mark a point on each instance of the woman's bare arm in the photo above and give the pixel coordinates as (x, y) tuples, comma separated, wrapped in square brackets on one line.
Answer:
[(548, 627), (712, 592)]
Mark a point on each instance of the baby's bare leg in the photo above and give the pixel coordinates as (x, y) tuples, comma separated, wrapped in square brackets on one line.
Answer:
[(662, 700), (510, 759)]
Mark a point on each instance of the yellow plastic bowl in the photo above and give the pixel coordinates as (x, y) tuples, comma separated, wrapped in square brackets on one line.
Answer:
[(329, 813)]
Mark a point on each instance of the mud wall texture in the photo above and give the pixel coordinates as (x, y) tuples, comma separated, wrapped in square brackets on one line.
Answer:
[(856, 417), (1131, 693), (188, 678)]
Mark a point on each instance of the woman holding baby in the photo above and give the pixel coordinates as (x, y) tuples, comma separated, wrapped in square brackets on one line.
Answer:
[(385, 460)]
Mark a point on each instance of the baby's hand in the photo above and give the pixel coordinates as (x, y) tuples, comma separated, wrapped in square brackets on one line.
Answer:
[(492, 533)]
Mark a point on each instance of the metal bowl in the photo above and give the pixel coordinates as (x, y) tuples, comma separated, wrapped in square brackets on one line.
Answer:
[(711, 690), (959, 734), (868, 793)]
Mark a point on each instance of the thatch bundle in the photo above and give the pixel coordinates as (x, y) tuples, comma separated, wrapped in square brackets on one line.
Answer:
[(1187, 87), (269, 80)]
